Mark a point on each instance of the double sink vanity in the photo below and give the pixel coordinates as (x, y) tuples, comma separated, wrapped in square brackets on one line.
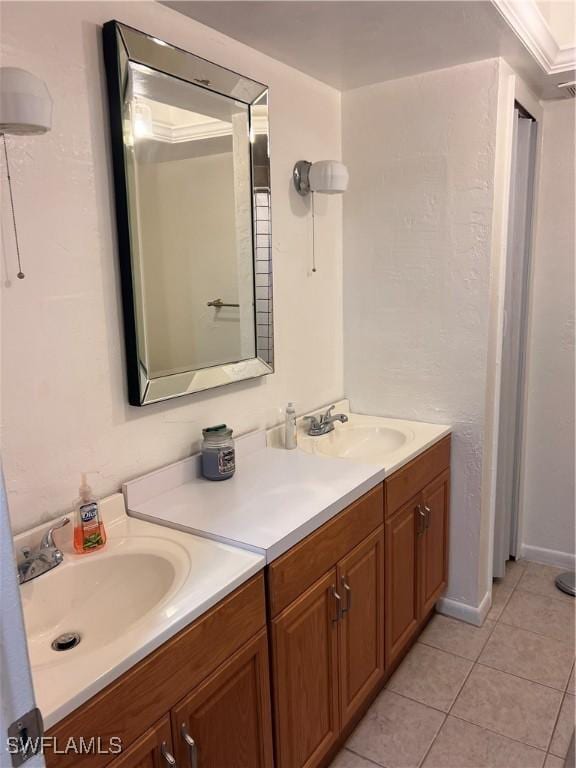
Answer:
[(270, 608)]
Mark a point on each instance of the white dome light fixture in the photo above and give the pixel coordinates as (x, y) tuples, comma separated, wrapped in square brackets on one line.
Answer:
[(25, 110), (25, 103), (329, 177)]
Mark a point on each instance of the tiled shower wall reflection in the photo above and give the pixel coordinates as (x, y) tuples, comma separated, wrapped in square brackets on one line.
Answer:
[(263, 277)]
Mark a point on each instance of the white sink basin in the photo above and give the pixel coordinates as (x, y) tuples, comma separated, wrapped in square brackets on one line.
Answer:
[(362, 443), (372, 439), (100, 596), (124, 601)]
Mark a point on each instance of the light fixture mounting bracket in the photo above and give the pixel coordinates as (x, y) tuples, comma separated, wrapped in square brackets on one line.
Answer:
[(301, 177)]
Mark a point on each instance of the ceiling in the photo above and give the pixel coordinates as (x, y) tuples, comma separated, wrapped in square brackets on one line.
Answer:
[(351, 43)]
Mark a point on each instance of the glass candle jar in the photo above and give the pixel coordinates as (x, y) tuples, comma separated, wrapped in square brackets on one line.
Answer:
[(218, 454)]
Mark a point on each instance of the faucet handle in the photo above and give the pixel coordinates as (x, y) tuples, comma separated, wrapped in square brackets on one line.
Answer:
[(314, 423), (326, 416), (48, 538)]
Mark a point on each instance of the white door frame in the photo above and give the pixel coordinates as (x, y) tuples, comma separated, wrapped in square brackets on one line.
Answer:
[(16, 688)]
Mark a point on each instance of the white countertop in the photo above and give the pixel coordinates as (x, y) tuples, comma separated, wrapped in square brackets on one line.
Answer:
[(274, 500), (98, 595)]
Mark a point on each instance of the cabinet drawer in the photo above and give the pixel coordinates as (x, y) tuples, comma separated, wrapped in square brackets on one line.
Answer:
[(134, 702), (408, 481), (296, 570)]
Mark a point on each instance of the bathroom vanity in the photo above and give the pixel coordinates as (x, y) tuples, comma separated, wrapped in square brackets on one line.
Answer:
[(280, 670)]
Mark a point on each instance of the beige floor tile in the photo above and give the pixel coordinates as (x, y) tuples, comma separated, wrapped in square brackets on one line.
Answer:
[(430, 676), (456, 636), (347, 759), (463, 745), (564, 727), (396, 732), (500, 597), (509, 705), (553, 762), (536, 613), (514, 572), (539, 579), (535, 657)]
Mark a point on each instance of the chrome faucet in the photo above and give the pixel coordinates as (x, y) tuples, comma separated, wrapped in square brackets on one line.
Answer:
[(325, 423), (47, 556)]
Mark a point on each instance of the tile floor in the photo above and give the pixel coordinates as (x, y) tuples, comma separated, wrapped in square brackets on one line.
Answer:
[(497, 696)]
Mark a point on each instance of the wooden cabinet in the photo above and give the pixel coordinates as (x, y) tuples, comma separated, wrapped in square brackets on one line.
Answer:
[(226, 722), (152, 750), (340, 609), (416, 545), (328, 643), (402, 594), (305, 675), (214, 673), (361, 629), (433, 544)]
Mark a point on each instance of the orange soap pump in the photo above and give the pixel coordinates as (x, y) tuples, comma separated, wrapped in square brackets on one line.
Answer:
[(89, 533)]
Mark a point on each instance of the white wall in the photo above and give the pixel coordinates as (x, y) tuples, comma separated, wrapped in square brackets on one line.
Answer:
[(417, 245), (63, 386), (548, 465)]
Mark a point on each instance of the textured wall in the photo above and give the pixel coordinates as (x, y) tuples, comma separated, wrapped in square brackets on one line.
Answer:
[(548, 469), (63, 389), (417, 221)]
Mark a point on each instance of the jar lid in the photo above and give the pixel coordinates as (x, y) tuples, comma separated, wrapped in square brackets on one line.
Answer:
[(220, 430)]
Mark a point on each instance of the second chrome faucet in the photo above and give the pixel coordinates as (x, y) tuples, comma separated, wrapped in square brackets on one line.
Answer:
[(325, 422)]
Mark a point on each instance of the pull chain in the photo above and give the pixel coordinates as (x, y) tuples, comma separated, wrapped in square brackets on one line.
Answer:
[(313, 236), (20, 274)]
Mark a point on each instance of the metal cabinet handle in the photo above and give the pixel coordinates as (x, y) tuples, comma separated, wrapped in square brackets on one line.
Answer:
[(338, 600), (421, 519), (348, 590), (168, 756), (191, 744), (428, 512)]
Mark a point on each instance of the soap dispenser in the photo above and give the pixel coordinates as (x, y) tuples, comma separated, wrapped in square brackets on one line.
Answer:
[(290, 427), (89, 533)]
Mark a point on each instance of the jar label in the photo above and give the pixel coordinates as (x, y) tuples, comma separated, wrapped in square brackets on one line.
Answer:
[(226, 461)]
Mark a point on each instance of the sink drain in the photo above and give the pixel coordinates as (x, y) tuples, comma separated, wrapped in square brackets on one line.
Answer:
[(66, 641)]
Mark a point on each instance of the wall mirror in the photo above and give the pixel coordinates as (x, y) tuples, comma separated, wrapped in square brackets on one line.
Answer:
[(191, 159)]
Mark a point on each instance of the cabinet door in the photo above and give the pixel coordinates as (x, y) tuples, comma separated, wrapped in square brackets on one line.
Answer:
[(152, 750), (402, 532), (361, 629), (433, 555), (228, 715), (305, 675)]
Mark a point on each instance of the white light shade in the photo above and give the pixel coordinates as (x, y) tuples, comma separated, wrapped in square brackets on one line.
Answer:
[(328, 176), (25, 103)]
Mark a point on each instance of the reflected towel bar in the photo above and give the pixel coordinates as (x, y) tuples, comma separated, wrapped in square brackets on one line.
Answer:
[(219, 303)]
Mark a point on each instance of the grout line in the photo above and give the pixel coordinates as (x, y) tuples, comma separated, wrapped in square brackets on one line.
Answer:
[(520, 677), (555, 725), (499, 733), (433, 741), (368, 759), (546, 597), (570, 678), (417, 701), (540, 634)]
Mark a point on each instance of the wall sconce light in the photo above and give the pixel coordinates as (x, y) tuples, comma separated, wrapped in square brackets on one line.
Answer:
[(25, 110), (329, 177)]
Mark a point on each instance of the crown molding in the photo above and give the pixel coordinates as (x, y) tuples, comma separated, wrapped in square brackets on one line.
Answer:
[(525, 19), (175, 134)]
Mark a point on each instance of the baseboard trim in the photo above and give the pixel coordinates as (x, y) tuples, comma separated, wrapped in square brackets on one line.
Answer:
[(548, 556), (469, 613)]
